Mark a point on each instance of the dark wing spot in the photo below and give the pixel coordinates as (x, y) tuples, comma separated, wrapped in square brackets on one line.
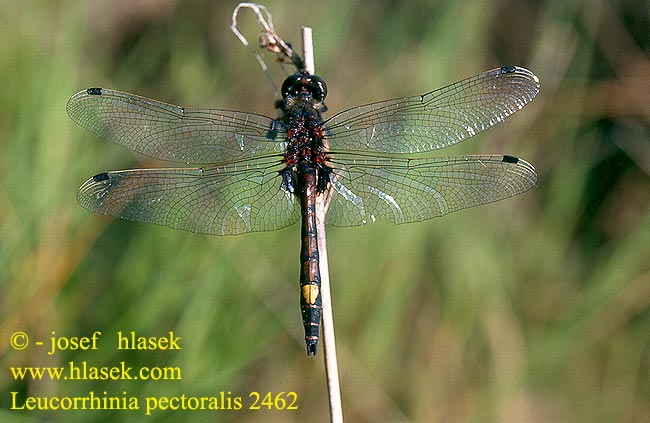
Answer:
[(508, 69), (510, 159), (94, 91), (100, 177)]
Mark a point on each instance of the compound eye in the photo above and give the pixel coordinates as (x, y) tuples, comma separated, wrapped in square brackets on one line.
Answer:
[(318, 88), (291, 86)]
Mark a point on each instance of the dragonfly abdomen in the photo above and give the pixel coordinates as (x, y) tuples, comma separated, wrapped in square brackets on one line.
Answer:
[(310, 296)]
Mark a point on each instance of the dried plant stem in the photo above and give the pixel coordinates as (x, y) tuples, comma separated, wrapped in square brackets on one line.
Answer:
[(329, 343), (308, 50)]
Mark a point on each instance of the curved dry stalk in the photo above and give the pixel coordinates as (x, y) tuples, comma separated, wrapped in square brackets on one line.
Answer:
[(268, 39)]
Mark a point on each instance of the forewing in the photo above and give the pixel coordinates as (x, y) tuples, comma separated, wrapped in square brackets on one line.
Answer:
[(401, 190), (218, 200), (174, 133), (437, 119)]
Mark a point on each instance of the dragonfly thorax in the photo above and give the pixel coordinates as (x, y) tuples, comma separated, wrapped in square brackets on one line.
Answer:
[(301, 107)]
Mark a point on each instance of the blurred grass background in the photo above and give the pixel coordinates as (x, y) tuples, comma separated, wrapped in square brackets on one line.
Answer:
[(535, 309)]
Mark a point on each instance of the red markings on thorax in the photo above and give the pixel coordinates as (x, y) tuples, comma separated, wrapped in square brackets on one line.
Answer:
[(304, 138)]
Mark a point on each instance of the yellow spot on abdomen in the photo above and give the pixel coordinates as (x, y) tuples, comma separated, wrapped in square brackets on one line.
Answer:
[(310, 293)]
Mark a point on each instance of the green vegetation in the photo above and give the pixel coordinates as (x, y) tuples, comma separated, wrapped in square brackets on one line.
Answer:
[(534, 309)]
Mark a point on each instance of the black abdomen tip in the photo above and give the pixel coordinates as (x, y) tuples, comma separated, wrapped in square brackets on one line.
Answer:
[(100, 177), (510, 159), (94, 91), (508, 69), (311, 347)]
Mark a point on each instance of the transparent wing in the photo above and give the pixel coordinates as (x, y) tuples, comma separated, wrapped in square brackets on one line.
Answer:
[(400, 190), (435, 120), (174, 133), (220, 200)]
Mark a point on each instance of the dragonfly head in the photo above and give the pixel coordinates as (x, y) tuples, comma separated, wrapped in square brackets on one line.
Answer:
[(303, 83)]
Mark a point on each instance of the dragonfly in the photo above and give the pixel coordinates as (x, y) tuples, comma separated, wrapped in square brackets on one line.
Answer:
[(244, 172)]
